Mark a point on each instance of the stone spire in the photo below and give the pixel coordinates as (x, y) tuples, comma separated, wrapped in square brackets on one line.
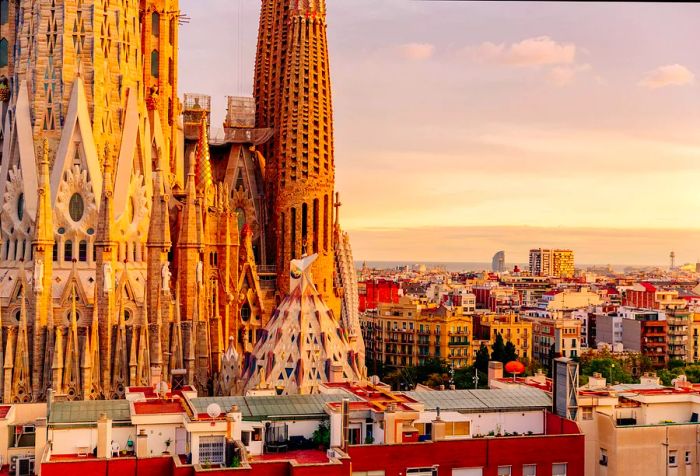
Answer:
[(106, 249), (95, 351), (176, 353), (120, 365), (203, 165), (71, 368), (159, 273), (188, 250), (41, 299), (21, 388)]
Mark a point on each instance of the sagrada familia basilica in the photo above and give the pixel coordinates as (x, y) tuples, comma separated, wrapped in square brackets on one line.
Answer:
[(140, 246)]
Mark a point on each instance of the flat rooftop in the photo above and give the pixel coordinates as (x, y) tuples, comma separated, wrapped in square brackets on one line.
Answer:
[(89, 411), (515, 398), (260, 408)]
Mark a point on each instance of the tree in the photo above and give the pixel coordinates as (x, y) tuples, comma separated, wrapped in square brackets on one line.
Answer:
[(498, 349), (464, 378), (510, 353), (482, 359)]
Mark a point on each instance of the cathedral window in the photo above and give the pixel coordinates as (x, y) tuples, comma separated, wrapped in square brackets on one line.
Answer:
[(82, 251), (172, 29), (3, 52), (293, 237), (55, 252), (245, 312), (68, 251), (325, 223), (315, 229), (4, 11), (20, 206), (155, 24), (155, 63), (76, 207)]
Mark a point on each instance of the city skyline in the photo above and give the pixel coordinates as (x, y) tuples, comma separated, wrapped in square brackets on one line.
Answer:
[(462, 107)]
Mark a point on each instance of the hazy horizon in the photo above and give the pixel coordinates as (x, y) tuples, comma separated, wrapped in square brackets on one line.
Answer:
[(463, 128)]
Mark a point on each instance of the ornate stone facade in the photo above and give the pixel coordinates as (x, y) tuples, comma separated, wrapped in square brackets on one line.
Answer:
[(134, 246)]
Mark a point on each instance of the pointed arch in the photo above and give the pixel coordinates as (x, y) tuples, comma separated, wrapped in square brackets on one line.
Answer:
[(77, 131)]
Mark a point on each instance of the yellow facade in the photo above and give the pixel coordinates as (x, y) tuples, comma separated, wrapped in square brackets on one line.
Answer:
[(409, 333), (512, 329)]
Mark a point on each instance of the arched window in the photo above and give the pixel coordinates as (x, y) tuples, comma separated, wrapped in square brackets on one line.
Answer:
[(82, 251), (245, 312), (68, 251), (171, 31), (4, 11), (155, 24), (55, 252), (155, 63), (3, 53)]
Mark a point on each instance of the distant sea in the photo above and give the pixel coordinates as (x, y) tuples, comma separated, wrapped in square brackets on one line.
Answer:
[(458, 266)]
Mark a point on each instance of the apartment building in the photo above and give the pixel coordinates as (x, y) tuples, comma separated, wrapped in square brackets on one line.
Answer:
[(488, 326), (552, 262), (554, 338), (409, 333)]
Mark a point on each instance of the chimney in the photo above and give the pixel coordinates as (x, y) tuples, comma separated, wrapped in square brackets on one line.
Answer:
[(142, 445), (438, 427), (233, 432), (596, 381), (104, 437), (495, 371), (336, 373), (650, 378), (346, 424)]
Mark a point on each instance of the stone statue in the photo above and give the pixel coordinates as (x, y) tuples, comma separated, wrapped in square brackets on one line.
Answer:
[(108, 277), (200, 273), (38, 276), (166, 274)]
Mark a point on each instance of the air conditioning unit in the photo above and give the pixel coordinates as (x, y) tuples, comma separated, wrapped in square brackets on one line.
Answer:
[(24, 466)]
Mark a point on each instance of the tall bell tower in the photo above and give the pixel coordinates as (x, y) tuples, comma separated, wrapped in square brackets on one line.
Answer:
[(293, 93)]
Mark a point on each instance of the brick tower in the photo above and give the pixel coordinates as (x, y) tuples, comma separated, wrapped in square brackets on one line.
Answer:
[(293, 93)]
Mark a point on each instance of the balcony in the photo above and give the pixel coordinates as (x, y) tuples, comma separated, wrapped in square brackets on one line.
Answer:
[(459, 343)]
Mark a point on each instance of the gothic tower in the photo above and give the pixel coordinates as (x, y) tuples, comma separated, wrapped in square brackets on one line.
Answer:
[(293, 93)]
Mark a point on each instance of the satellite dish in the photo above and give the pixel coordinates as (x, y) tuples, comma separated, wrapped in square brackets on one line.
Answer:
[(213, 410)]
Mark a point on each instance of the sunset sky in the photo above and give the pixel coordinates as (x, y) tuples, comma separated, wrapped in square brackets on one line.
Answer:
[(465, 128)]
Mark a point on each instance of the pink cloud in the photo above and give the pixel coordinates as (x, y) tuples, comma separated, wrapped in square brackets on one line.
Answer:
[(537, 51), (417, 51), (669, 75), (565, 75)]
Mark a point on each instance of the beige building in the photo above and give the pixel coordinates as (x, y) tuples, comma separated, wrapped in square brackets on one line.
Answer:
[(641, 429)]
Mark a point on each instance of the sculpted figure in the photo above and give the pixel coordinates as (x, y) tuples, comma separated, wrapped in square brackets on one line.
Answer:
[(38, 276), (108, 277), (166, 274), (200, 273)]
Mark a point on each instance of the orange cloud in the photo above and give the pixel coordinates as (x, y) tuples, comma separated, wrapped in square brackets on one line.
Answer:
[(669, 75)]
